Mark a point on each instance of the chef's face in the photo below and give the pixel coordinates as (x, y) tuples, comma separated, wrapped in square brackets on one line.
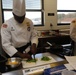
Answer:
[(19, 19)]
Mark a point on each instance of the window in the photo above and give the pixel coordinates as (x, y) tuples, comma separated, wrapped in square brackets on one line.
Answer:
[(34, 10), (66, 11)]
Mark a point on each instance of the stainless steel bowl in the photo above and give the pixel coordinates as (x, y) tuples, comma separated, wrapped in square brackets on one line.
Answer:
[(13, 62)]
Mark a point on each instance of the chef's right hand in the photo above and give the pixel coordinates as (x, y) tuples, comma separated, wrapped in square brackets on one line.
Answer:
[(26, 55), (23, 55)]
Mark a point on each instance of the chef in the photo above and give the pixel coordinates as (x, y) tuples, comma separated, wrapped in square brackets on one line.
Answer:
[(73, 34), (19, 38)]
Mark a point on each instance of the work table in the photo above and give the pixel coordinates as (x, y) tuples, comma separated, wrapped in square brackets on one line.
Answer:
[(19, 71)]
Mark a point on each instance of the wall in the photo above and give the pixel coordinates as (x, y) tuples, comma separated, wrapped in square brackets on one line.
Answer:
[(50, 6)]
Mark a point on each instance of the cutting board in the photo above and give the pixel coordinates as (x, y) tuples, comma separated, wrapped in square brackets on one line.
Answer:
[(38, 63)]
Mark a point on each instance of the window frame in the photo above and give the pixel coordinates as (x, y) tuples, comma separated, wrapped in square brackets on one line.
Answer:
[(61, 24), (42, 12), (65, 11)]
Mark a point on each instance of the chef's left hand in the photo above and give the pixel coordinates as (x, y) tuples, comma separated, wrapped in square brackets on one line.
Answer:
[(33, 48)]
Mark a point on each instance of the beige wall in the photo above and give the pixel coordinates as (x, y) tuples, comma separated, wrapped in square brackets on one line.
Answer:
[(50, 6)]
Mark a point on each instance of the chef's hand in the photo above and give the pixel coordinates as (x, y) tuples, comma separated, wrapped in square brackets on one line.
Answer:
[(26, 55), (33, 48), (23, 55)]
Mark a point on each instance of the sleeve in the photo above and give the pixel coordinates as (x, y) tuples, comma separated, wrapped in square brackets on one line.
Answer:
[(6, 40), (73, 30), (34, 37)]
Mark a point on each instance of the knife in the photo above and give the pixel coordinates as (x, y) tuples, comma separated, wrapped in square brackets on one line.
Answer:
[(34, 57)]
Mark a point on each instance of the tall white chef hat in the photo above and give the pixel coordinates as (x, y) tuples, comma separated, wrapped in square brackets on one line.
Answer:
[(19, 7)]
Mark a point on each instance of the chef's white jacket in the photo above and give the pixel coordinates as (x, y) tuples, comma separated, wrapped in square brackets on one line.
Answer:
[(15, 35), (73, 33), (73, 30)]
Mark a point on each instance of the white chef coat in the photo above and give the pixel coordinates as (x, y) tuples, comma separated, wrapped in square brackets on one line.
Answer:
[(73, 33), (16, 35)]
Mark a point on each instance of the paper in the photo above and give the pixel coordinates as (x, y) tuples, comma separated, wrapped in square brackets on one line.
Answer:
[(38, 63), (71, 60), (66, 72), (68, 66)]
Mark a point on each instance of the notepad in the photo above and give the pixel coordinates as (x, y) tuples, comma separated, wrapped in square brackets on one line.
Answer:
[(71, 60)]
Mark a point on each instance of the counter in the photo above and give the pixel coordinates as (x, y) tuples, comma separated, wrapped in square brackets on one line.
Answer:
[(60, 41), (19, 71)]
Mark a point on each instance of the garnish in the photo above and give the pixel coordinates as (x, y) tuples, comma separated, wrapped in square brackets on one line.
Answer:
[(45, 58)]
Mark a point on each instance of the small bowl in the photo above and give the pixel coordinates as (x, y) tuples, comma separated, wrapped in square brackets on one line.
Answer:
[(13, 62)]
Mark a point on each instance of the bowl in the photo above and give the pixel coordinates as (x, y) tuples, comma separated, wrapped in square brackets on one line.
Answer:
[(13, 62)]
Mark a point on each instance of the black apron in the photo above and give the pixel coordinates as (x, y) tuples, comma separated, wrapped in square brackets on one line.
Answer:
[(21, 49)]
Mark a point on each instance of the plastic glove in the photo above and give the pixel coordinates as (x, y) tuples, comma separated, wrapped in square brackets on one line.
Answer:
[(26, 55)]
